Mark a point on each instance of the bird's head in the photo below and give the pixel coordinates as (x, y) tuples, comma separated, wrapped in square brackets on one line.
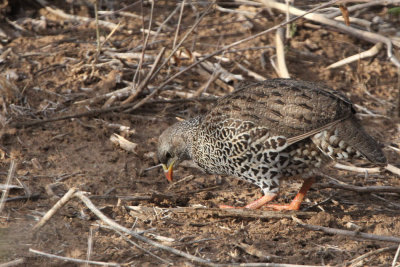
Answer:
[(172, 148)]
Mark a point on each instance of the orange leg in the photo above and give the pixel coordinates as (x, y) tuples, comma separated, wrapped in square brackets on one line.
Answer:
[(295, 204), (253, 205)]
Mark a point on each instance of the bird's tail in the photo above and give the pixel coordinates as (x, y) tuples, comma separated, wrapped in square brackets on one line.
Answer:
[(354, 135)]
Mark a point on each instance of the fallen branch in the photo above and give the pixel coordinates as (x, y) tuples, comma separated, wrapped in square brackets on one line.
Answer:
[(72, 259), (120, 228), (361, 189), (364, 35), (369, 53), (355, 234)]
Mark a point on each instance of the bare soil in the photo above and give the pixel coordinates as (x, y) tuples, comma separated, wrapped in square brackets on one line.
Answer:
[(52, 63)]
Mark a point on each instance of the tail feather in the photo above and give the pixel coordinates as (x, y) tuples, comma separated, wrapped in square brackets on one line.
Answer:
[(351, 131)]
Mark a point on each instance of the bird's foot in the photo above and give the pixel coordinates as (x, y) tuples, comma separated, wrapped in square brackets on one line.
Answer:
[(253, 205), (296, 202)]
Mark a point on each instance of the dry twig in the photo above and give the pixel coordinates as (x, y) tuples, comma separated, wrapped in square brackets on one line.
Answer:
[(60, 203), (12, 263), (280, 54), (11, 172), (354, 234), (68, 259), (368, 254), (364, 35), (369, 53)]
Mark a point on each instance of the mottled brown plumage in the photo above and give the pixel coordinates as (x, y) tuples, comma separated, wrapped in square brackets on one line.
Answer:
[(270, 130)]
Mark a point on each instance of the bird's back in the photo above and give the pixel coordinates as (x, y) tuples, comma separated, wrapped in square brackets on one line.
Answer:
[(295, 110)]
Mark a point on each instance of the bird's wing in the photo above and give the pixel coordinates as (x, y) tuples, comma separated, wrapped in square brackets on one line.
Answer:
[(290, 108)]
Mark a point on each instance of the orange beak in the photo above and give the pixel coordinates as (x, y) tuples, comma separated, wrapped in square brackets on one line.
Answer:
[(168, 171)]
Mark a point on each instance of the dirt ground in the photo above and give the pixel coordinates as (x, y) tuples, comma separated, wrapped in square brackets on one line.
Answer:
[(51, 63)]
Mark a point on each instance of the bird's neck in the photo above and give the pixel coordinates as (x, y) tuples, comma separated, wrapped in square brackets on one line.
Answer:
[(190, 128)]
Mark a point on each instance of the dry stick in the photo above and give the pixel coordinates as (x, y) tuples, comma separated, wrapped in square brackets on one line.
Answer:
[(144, 100), (118, 227), (147, 79), (179, 24), (396, 256), (11, 172), (143, 51), (167, 60), (388, 167), (96, 17), (110, 34), (72, 259), (55, 208), (96, 112), (368, 254), (170, 55), (12, 263), (361, 189), (357, 169), (64, 15), (280, 53), (356, 234), (367, 36), (164, 22), (90, 246), (369, 53), (139, 247), (251, 73)]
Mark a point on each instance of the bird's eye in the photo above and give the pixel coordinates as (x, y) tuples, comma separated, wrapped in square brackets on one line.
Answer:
[(168, 155)]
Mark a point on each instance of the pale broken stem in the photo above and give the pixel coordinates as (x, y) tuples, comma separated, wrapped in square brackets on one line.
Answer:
[(90, 247), (118, 227), (393, 169), (364, 35), (251, 73), (369, 53), (11, 173), (96, 18), (12, 263), (389, 167), (72, 259), (179, 24), (146, 39), (357, 169), (62, 14), (354, 234), (396, 256), (55, 208), (369, 254), (280, 53), (110, 35)]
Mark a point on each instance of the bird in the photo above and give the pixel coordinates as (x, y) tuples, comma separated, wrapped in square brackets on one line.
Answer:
[(264, 132)]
